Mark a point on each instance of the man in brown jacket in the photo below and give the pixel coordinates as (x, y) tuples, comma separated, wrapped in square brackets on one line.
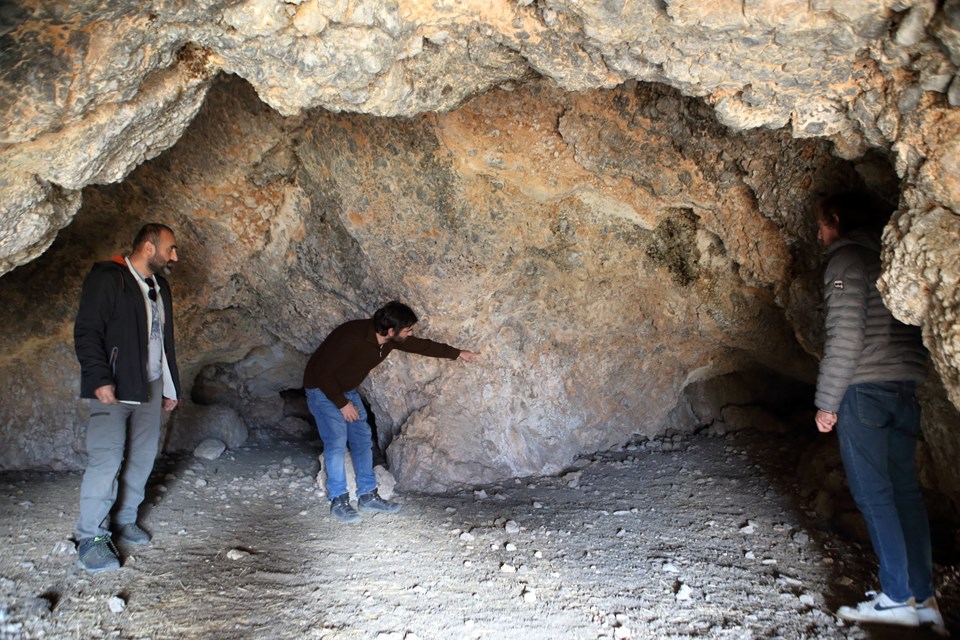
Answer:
[(332, 376)]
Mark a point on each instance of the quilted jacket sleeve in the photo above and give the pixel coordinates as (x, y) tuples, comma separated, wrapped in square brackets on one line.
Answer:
[(846, 290)]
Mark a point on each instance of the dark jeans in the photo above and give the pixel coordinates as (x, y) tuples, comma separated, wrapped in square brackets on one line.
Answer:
[(878, 424)]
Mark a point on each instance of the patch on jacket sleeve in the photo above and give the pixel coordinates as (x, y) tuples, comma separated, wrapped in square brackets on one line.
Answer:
[(838, 284)]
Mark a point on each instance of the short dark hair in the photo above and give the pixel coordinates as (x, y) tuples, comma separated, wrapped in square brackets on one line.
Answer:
[(854, 210), (393, 315), (149, 232)]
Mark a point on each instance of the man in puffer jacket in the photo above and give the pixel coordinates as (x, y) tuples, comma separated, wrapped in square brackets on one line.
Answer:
[(866, 387)]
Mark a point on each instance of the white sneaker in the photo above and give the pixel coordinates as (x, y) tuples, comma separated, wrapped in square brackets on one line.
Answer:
[(882, 609), (929, 614)]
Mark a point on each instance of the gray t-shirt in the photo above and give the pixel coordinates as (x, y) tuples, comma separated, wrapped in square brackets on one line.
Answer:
[(155, 350)]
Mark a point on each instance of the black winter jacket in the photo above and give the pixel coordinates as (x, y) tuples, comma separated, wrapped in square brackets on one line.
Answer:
[(111, 336)]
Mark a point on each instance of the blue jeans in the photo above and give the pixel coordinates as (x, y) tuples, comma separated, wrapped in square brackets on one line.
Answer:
[(877, 425), (337, 434)]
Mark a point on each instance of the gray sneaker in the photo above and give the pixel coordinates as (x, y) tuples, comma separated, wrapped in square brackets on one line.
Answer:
[(98, 554), (372, 502), (342, 511), (131, 533)]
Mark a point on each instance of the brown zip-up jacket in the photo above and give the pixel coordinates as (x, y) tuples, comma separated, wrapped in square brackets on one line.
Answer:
[(351, 351)]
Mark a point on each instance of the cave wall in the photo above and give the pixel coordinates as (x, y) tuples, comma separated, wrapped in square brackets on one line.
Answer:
[(89, 90), (638, 216), (611, 253)]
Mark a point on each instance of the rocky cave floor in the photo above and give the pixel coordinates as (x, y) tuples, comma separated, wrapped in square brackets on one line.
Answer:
[(699, 537)]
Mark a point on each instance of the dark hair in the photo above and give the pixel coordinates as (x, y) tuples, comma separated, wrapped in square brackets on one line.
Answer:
[(393, 315), (149, 232), (853, 211)]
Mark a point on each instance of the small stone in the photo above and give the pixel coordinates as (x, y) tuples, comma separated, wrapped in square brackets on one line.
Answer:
[(480, 494), (200, 483), (64, 548), (953, 93), (38, 606), (529, 595), (210, 449), (807, 599), (684, 593), (237, 554), (510, 546), (512, 527), (117, 604), (507, 568), (466, 536), (912, 28)]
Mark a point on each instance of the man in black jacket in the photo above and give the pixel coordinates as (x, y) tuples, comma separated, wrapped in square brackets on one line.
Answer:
[(124, 341)]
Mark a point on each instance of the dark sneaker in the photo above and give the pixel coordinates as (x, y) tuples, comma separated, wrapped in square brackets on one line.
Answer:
[(883, 610), (342, 511), (98, 554), (132, 534), (373, 502)]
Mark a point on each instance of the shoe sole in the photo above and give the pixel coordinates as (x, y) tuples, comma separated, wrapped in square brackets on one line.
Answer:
[(890, 621), (129, 541), (97, 569), (363, 509)]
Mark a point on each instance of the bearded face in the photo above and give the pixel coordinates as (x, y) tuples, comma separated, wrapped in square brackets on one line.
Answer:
[(165, 256), (402, 335)]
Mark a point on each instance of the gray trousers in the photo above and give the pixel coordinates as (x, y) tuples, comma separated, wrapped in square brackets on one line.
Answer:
[(110, 481)]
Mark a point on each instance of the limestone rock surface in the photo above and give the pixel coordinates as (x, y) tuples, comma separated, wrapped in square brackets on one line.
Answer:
[(611, 200), (604, 252)]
